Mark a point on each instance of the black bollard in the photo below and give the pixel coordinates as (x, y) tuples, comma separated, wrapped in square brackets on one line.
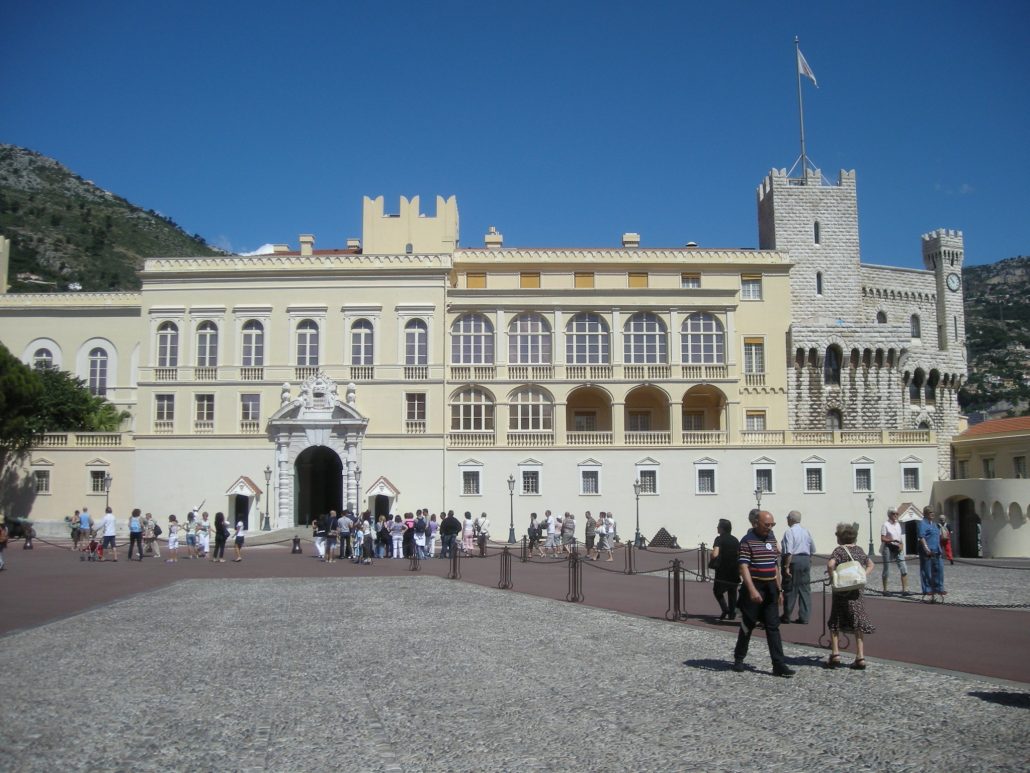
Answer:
[(296, 546)]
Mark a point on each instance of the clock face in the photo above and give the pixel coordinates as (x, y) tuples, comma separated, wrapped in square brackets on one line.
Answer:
[(954, 282)]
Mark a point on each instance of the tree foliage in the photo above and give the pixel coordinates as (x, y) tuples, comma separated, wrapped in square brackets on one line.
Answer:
[(68, 406), (20, 392)]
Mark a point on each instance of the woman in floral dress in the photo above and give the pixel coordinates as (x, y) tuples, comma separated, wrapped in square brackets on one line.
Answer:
[(848, 611)]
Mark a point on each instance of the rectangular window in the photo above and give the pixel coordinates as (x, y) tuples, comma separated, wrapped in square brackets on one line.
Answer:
[(475, 281), (639, 421), (963, 469), (690, 281), (205, 407), (470, 482), (754, 355), (706, 481), (42, 481), (648, 481), (764, 478), (415, 406), (96, 481), (250, 407), (529, 280), (751, 288), (910, 478), (165, 405), (584, 280), (863, 479), (589, 482), (638, 279), (814, 480), (584, 421), (1019, 466), (988, 468), (754, 421), (530, 481), (816, 236), (693, 421)]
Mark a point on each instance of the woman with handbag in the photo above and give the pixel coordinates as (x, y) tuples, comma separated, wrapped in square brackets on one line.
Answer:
[(848, 568)]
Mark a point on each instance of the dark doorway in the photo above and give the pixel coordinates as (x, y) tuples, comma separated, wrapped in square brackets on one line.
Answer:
[(968, 530), (319, 484), (382, 506), (912, 537), (240, 511)]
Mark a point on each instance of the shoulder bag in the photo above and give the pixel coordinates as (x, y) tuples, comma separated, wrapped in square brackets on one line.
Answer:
[(848, 575)]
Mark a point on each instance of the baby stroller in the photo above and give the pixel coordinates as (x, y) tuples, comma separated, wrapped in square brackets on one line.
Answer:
[(93, 551)]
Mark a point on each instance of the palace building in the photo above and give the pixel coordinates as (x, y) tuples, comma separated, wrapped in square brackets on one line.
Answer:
[(407, 371)]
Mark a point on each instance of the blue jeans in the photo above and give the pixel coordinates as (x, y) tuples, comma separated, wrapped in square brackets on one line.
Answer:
[(931, 573), (448, 544)]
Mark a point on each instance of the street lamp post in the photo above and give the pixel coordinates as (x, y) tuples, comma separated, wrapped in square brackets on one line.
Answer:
[(758, 496), (268, 496), (107, 489), (869, 501), (511, 509), (357, 493), (636, 493)]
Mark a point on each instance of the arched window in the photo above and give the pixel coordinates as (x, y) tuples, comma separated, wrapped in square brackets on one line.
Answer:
[(307, 344), (43, 359), (831, 365), (930, 392), (704, 341), (253, 344), (472, 410), (818, 280), (472, 340), (645, 341), (834, 420), (361, 342), (168, 345), (915, 384), (416, 343), (881, 318), (529, 340), (530, 409), (916, 327), (98, 372), (207, 345), (587, 340)]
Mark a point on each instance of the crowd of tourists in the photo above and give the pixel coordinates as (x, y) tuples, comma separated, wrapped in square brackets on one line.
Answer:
[(766, 580)]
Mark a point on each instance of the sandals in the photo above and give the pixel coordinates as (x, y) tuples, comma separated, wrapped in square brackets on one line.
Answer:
[(859, 664), (833, 661)]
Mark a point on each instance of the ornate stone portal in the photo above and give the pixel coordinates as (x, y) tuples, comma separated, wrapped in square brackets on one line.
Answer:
[(316, 417)]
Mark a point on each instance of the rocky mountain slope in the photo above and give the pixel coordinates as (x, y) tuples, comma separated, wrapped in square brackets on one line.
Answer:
[(67, 233)]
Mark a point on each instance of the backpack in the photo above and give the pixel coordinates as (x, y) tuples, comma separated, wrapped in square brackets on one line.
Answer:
[(158, 531), (420, 526)]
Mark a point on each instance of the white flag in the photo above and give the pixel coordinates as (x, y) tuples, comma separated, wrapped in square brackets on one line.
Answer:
[(804, 69)]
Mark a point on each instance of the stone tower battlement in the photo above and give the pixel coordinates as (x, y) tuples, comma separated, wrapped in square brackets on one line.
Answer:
[(409, 231)]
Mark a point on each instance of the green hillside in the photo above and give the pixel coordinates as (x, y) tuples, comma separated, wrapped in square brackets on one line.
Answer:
[(65, 230)]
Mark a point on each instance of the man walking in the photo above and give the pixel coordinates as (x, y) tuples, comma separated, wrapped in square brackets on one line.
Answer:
[(891, 550), (760, 572), (798, 548)]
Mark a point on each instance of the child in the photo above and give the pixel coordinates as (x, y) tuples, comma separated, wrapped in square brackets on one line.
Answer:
[(358, 535), (237, 544), (173, 540)]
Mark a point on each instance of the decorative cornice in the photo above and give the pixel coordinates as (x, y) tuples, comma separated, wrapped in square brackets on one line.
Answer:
[(233, 263), (71, 300), (680, 256)]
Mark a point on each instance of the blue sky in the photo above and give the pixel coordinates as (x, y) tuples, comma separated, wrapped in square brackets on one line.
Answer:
[(560, 123)]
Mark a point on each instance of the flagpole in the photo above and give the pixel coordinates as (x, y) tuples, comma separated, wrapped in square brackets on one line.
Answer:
[(801, 107)]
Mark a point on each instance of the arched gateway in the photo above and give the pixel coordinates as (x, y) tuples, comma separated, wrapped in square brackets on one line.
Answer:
[(317, 451)]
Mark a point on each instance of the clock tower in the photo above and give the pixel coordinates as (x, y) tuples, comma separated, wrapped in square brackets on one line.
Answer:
[(943, 253)]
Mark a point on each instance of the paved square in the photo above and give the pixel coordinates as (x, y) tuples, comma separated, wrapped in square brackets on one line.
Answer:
[(418, 673)]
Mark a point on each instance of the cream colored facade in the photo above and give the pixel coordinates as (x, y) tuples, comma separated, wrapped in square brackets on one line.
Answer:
[(407, 372)]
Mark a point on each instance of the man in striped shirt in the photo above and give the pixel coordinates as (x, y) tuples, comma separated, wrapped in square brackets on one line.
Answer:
[(760, 598)]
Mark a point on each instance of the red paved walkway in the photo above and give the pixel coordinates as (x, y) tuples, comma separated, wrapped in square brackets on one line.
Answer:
[(49, 583)]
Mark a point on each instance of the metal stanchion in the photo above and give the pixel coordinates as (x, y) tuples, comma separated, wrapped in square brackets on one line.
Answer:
[(575, 593), (524, 557), (454, 572), (630, 559), (414, 563), (677, 592), (504, 583), (702, 563)]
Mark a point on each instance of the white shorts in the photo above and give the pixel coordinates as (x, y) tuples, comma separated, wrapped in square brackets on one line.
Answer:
[(173, 542)]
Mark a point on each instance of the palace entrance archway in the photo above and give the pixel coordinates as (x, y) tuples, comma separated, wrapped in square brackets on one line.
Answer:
[(318, 474)]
